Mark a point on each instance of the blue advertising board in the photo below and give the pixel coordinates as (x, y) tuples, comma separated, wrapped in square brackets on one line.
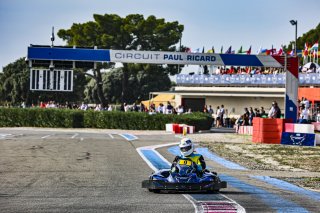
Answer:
[(298, 139)]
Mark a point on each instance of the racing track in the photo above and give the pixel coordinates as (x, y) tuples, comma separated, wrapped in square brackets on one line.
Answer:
[(101, 171)]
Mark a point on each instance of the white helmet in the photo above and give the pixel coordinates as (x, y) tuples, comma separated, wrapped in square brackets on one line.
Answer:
[(186, 147)]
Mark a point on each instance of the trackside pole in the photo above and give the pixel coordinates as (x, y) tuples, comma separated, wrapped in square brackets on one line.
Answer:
[(292, 84)]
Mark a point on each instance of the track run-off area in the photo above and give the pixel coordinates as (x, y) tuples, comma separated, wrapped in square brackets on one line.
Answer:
[(75, 170)]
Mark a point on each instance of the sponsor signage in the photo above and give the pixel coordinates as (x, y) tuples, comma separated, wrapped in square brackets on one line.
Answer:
[(157, 57), (298, 139)]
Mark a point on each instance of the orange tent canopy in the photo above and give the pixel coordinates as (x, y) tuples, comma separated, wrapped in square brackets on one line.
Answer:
[(161, 98)]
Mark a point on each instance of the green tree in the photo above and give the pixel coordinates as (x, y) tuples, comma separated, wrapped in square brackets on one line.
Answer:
[(140, 82), (132, 32), (15, 82)]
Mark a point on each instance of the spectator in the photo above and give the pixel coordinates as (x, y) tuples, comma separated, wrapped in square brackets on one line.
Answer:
[(180, 110), (160, 108), (210, 110), (42, 105), (257, 112), (189, 111), (152, 108), (142, 107), (263, 112), (245, 117), (169, 108), (126, 107), (135, 107), (304, 114), (222, 113), (83, 106), (110, 108), (275, 111), (218, 71), (251, 115), (205, 109), (98, 107), (122, 107), (305, 102), (218, 117)]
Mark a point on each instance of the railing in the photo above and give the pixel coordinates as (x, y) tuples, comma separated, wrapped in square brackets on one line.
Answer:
[(235, 79)]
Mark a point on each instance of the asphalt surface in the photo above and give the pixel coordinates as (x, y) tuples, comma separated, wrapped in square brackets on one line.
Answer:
[(88, 171)]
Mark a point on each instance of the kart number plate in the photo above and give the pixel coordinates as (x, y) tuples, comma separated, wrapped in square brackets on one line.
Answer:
[(185, 162)]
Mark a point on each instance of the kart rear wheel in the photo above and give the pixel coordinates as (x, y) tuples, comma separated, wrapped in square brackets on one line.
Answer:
[(213, 191)]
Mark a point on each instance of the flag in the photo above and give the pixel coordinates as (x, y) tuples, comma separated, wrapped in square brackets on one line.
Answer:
[(306, 49), (280, 52), (240, 50), (268, 52), (203, 50), (196, 50), (315, 46), (228, 51), (211, 50), (259, 50), (188, 50), (221, 50), (290, 52), (263, 51), (249, 51)]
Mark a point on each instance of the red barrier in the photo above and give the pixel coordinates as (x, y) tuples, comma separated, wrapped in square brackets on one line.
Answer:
[(268, 130)]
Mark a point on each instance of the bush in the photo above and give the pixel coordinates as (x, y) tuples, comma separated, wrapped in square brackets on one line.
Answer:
[(16, 117)]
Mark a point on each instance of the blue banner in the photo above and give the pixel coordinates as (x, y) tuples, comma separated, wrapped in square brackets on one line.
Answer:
[(68, 54), (298, 139), (238, 79)]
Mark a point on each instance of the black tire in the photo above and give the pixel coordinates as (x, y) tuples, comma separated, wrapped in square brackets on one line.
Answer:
[(154, 190), (213, 191)]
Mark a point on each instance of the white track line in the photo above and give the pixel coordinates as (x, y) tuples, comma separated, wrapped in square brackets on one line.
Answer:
[(111, 136), (46, 136), (75, 135)]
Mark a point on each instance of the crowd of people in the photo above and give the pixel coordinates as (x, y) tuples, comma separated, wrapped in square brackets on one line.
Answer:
[(247, 70), (220, 114), (152, 109)]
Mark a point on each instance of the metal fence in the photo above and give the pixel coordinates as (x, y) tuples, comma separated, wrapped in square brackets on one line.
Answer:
[(235, 79)]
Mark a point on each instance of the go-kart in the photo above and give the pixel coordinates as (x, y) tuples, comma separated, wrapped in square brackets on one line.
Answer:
[(184, 177)]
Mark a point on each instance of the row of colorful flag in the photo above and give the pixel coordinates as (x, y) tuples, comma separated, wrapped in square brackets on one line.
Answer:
[(307, 51)]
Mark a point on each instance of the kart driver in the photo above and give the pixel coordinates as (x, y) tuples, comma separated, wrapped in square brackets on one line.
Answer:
[(187, 153)]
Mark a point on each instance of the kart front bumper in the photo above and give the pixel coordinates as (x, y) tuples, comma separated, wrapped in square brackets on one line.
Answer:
[(203, 186)]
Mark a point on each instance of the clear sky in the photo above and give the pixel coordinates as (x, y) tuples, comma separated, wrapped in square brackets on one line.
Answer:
[(207, 22)]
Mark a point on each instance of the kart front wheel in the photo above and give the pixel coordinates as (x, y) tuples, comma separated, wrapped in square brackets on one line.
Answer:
[(154, 190)]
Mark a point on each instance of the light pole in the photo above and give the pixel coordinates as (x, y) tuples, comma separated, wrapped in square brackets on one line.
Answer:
[(295, 22)]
